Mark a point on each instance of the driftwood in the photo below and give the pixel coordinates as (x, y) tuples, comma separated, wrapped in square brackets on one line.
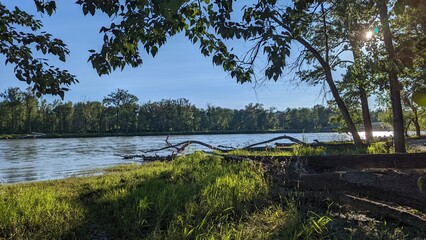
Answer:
[(373, 208), (384, 210), (361, 161), (146, 158), (180, 147), (395, 187), (295, 140), (317, 143)]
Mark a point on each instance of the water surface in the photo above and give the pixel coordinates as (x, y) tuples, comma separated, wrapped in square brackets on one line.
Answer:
[(42, 159)]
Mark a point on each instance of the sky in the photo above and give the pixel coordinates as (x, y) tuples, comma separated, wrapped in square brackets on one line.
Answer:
[(178, 70)]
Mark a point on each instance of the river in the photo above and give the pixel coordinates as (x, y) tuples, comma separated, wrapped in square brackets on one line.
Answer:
[(24, 160)]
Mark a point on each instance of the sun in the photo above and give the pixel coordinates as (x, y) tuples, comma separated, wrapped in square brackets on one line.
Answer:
[(369, 35)]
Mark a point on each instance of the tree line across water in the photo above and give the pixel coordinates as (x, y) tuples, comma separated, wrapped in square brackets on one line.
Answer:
[(120, 112)]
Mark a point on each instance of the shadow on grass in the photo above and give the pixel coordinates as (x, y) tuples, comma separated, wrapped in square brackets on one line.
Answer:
[(192, 197)]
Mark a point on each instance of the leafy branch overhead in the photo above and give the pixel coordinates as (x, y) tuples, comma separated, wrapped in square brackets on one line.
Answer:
[(150, 23), (18, 45)]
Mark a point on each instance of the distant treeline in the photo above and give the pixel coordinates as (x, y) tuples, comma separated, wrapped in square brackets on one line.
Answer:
[(119, 112)]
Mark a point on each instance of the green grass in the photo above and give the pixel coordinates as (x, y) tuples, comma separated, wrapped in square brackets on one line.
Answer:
[(192, 197), (380, 148), (300, 150), (296, 150), (266, 153)]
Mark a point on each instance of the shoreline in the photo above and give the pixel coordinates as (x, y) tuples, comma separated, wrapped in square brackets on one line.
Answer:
[(151, 134), (147, 134)]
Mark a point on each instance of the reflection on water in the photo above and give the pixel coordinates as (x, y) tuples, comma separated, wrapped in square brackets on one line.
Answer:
[(42, 159)]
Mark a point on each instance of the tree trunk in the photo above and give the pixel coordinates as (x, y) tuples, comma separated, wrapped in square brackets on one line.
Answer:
[(407, 127), (416, 120), (329, 79), (395, 92), (29, 121), (342, 107), (361, 78), (417, 125), (366, 115)]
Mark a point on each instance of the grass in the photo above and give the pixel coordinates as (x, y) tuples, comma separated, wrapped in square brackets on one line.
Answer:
[(380, 148), (296, 150), (193, 197), (266, 153), (300, 150)]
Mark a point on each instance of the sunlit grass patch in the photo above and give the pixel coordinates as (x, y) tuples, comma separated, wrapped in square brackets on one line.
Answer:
[(34, 213), (295, 150), (300, 150), (380, 148), (266, 153), (153, 200)]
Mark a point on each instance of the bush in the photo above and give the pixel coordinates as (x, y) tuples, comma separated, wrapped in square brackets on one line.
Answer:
[(380, 148)]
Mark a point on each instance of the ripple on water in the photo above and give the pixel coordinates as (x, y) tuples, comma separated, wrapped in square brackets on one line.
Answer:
[(42, 159)]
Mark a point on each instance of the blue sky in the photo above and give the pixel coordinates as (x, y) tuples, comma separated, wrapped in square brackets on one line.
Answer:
[(178, 71)]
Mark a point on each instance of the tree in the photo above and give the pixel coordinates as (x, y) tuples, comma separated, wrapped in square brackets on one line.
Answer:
[(395, 91), (64, 113), (218, 118), (409, 28), (17, 45), (47, 116), (122, 102), (270, 27), (13, 100), (355, 18), (31, 103)]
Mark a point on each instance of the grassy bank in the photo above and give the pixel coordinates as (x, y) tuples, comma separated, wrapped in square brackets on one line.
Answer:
[(193, 197)]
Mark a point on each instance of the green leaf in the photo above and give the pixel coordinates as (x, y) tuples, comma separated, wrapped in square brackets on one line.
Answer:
[(399, 7), (154, 50), (419, 97), (85, 10)]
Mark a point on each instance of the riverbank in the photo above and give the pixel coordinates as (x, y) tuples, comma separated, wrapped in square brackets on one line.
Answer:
[(141, 134), (196, 196)]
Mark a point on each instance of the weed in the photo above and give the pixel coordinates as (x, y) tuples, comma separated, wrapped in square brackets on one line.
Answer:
[(300, 150), (380, 148)]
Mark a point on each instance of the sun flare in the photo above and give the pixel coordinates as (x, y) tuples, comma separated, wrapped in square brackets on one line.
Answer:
[(369, 34)]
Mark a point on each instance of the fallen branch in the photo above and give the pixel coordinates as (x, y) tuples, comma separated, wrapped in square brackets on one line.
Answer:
[(360, 161), (384, 210), (295, 140), (389, 186), (180, 147), (147, 158)]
